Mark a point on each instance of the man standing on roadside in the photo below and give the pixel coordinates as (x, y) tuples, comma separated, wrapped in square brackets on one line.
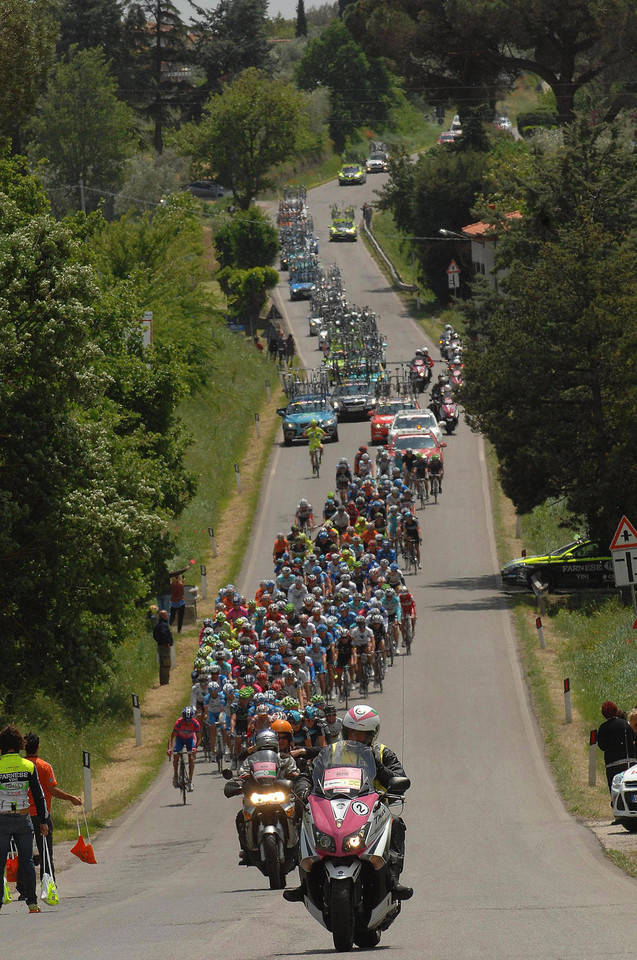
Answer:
[(50, 789), (164, 639), (17, 777)]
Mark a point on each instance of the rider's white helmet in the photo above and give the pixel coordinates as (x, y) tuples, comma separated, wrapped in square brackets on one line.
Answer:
[(362, 717)]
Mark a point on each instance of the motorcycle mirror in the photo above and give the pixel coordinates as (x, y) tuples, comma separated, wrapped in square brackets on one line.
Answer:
[(443, 444), (398, 784), (232, 789), (226, 774)]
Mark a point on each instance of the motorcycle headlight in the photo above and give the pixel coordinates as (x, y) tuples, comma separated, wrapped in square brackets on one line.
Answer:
[(277, 797), (355, 841), (323, 841)]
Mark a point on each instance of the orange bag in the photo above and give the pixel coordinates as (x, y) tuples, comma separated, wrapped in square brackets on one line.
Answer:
[(12, 864), (78, 847), (83, 849)]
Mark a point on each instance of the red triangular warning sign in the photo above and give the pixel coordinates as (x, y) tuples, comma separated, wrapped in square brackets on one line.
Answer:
[(625, 536)]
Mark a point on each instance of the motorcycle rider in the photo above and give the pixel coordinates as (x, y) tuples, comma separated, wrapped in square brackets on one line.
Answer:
[(361, 724), (437, 392)]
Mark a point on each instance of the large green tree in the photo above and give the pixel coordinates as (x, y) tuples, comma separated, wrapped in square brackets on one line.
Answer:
[(82, 130), (91, 23), (552, 381), (245, 131), (248, 239), (28, 30), (466, 51), (360, 88)]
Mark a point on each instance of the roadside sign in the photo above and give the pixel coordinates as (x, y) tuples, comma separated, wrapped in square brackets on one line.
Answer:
[(453, 267), (624, 553), (453, 275)]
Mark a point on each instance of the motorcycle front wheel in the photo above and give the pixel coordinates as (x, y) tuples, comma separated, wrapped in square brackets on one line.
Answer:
[(272, 865), (342, 914), (367, 939)]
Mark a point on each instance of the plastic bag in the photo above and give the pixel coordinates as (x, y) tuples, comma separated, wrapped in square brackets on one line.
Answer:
[(83, 849), (49, 892), (6, 897), (12, 864)]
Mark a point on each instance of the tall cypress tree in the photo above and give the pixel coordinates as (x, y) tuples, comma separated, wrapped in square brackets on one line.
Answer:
[(301, 19)]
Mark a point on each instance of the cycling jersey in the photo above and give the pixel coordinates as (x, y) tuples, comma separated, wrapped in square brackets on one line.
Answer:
[(315, 436), (185, 729), (411, 528)]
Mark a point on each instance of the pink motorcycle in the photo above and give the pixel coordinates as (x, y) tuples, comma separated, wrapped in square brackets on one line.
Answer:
[(344, 846), (449, 414)]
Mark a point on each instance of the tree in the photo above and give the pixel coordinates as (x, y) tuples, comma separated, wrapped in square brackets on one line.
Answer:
[(253, 125), (247, 291), (82, 129), (27, 49), (360, 89), (249, 239), (552, 382), (301, 20), (91, 23), (570, 46), (229, 39)]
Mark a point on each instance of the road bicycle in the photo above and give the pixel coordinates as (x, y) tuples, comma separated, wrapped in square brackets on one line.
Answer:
[(392, 641), (366, 675), (422, 492), (219, 746), (379, 662), (205, 744), (183, 780), (345, 687), (315, 459), (410, 557), (435, 488), (409, 632)]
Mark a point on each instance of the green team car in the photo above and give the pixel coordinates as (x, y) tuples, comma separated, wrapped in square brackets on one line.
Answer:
[(300, 412), (580, 565), (352, 173)]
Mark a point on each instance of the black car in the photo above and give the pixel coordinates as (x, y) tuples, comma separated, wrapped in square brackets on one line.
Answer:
[(207, 189), (354, 400), (581, 564)]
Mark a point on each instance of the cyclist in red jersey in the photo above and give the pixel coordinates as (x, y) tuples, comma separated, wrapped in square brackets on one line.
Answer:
[(184, 734)]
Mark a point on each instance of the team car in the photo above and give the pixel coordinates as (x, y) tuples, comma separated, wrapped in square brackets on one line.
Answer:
[(385, 412), (623, 798), (353, 399), (377, 162), (581, 564), (343, 225), (413, 421), (300, 412), (351, 173)]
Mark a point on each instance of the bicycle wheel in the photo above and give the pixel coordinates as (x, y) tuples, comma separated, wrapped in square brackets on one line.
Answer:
[(219, 750), (421, 494), (434, 488), (205, 743), (183, 777), (408, 634), (391, 643), (345, 682), (379, 672)]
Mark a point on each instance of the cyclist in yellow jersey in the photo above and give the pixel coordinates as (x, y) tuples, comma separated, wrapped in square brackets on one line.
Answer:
[(17, 777)]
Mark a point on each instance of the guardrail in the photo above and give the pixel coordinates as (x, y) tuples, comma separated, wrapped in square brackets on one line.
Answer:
[(396, 278)]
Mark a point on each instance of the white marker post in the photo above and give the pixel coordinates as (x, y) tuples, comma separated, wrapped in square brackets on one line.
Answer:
[(540, 632), (258, 425), (567, 701), (213, 542), (237, 476), (592, 759), (204, 582), (267, 389), (88, 790), (541, 592), (137, 718)]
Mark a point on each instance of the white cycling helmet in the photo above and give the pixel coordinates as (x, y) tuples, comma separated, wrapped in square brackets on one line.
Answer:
[(362, 717)]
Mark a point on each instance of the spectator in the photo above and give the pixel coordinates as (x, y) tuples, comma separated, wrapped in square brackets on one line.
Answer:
[(289, 349), (50, 789), (163, 588), (367, 214), (164, 640), (273, 345), (258, 344), (616, 738), (17, 777), (177, 600)]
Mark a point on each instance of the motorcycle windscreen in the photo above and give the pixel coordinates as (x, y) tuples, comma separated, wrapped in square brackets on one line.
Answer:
[(344, 769), (264, 766)]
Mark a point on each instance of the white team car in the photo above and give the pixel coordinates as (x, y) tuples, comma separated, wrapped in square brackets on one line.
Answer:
[(623, 798), (409, 421)]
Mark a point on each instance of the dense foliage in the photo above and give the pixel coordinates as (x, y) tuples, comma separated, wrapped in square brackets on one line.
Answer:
[(552, 380)]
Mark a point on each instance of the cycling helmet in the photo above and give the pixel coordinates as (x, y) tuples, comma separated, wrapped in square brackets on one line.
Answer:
[(362, 717), (270, 696), (435, 458), (318, 700), (362, 448), (213, 687), (289, 703), (267, 740), (289, 673), (314, 423), (194, 675), (262, 709), (301, 651), (246, 692), (303, 503), (259, 698), (188, 713), (310, 712), (420, 353), (294, 716), (228, 689), (249, 678)]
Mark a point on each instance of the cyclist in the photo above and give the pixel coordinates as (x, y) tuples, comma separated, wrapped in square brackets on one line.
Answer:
[(315, 435), (420, 472), (362, 638), (240, 713), (436, 469), (280, 548), (343, 478), (184, 734), (333, 724), (410, 529), (346, 656), (407, 609), (377, 626), (197, 695)]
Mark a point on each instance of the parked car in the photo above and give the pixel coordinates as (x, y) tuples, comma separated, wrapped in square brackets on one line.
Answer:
[(207, 189), (353, 399), (413, 421), (581, 564), (300, 412), (623, 798), (384, 414), (446, 138), (351, 173)]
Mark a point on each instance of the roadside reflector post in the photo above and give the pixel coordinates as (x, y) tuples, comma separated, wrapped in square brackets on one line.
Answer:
[(237, 477), (267, 389), (567, 701), (540, 632), (204, 581), (541, 592), (213, 542), (592, 759), (258, 425), (137, 719), (88, 789), (518, 526)]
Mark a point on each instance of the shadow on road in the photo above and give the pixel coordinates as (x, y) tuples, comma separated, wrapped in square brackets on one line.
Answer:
[(483, 589)]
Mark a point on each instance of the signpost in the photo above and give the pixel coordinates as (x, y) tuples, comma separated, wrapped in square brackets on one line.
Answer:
[(453, 275), (623, 549)]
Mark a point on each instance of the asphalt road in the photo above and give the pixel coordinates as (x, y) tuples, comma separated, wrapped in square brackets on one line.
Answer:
[(499, 868)]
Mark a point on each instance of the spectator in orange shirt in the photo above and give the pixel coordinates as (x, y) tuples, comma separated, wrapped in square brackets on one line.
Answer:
[(50, 789)]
